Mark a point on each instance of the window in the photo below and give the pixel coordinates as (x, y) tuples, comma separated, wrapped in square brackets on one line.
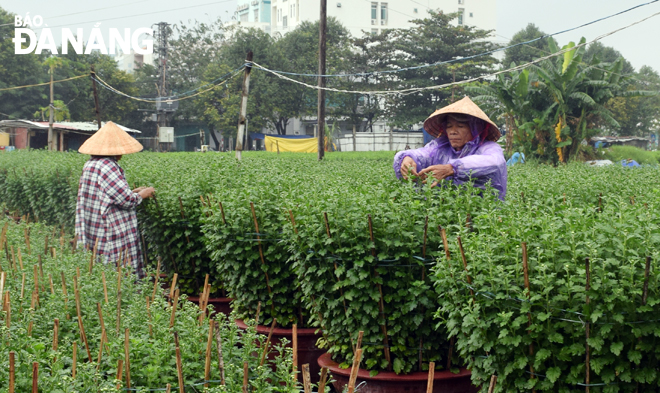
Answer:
[(415, 10), (284, 21), (244, 17), (383, 11), (374, 10), (256, 15), (374, 31), (461, 12), (461, 1), (471, 14)]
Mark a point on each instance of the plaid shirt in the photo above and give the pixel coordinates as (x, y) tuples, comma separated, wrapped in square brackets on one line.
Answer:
[(105, 211)]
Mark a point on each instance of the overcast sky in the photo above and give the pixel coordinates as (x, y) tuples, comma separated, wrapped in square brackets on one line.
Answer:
[(637, 44)]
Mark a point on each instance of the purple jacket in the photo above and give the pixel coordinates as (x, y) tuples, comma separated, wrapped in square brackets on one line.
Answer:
[(483, 162)]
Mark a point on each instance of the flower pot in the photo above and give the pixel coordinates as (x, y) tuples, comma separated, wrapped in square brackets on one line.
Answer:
[(389, 382), (308, 353), (220, 304)]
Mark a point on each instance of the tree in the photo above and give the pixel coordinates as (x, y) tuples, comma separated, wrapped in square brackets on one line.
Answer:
[(606, 54), (525, 53), (431, 40), (638, 115), (61, 112)]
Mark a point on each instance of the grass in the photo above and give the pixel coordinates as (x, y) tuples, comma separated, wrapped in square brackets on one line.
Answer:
[(618, 153)]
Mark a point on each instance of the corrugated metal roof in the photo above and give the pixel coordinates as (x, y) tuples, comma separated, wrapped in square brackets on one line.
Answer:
[(65, 125)]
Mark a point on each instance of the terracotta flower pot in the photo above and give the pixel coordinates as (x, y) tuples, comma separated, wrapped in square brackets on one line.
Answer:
[(220, 304), (307, 350), (389, 382)]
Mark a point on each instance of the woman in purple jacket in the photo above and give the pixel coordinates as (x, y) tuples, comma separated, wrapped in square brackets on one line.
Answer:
[(465, 147)]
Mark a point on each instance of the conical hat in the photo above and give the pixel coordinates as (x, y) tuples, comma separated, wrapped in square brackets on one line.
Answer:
[(434, 124), (110, 140)]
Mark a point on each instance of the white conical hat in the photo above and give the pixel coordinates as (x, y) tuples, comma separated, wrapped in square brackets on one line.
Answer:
[(110, 140), (434, 124)]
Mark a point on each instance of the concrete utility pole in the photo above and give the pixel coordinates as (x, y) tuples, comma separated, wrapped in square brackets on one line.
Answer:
[(354, 142), (241, 119), (96, 98), (51, 109), (321, 107), (163, 31)]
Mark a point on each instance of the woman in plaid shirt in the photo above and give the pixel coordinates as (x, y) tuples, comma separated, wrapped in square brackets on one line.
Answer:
[(105, 209)]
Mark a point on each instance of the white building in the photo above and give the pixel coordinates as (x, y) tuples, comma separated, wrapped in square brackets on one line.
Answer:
[(129, 62), (253, 13), (368, 16)]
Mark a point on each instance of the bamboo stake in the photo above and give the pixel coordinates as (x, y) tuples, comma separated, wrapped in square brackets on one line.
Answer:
[(93, 256), (261, 252), (100, 312), (41, 270), (209, 344), (429, 382), (174, 305), (23, 286), (270, 335), (50, 278), (56, 329), (8, 309), (168, 388), (587, 289), (46, 246), (151, 331), (529, 315), (32, 308), (36, 279), (445, 243), (381, 303), (647, 270), (307, 384), (179, 369), (27, 240), (118, 325), (493, 382), (127, 361), (3, 277), (245, 377), (12, 371), (80, 321), (221, 361), (204, 299), (324, 378), (294, 346), (222, 211), (173, 286), (20, 257), (451, 353), (13, 258), (98, 362), (75, 358), (105, 288), (120, 370), (354, 370), (156, 279)]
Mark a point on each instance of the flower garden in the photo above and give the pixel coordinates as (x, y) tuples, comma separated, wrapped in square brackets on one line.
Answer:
[(554, 290)]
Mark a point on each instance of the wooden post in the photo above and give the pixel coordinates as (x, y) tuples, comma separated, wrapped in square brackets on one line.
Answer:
[(323, 381), (245, 377), (35, 377), (294, 347), (174, 306), (307, 384), (261, 253), (221, 362), (222, 212), (244, 98), (56, 329), (93, 256), (20, 257), (74, 357), (493, 382), (173, 286), (586, 290), (12, 371), (321, 79), (207, 364), (105, 288), (429, 382), (179, 369), (120, 370), (96, 97), (27, 241), (156, 279), (354, 370), (270, 335), (445, 243), (127, 362)]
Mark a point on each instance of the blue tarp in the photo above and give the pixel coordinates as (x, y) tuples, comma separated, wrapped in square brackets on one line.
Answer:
[(260, 136), (516, 158), (427, 138), (631, 163)]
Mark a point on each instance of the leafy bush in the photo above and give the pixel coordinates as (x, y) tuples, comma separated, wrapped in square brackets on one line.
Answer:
[(618, 153)]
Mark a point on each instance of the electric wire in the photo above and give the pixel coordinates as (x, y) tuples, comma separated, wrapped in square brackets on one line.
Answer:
[(451, 84), (44, 83)]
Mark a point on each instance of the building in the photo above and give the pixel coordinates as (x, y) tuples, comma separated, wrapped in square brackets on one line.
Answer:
[(365, 16), (253, 13), (130, 62)]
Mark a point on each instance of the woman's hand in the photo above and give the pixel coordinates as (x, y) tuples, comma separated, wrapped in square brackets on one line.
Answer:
[(137, 190), (408, 166), (147, 192), (437, 173)]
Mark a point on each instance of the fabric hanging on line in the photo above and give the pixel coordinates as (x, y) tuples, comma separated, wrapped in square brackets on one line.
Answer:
[(306, 145)]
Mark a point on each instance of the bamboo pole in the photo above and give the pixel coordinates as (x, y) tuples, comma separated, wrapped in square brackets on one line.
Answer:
[(118, 324), (307, 384), (587, 288), (8, 309), (127, 361), (46, 246), (354, 370), (174, 306), (209, 345), (36, 279), (120, 370), (221, 362), (98, 362), (105, 287), (222, 211), (245, 377), (156, 279), (173, 285), (27, 240), (151, 331), (261, 252), (80, 321), (50, 278), (74, 359), (56, 330), (270, 335), (324, 378), (294, 346), (493, 382), (12, 371), (429, 382), (168, 388), (22, 285), (20, 257), (3, 278), (445, 243), (179, 369)]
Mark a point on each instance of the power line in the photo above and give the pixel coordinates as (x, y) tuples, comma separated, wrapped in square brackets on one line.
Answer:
[(362, 74), (43, 84), (435, 87)]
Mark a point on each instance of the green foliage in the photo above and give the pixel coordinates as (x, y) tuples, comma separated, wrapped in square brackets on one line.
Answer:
[(526, 52), (151, 345), (618, 153)]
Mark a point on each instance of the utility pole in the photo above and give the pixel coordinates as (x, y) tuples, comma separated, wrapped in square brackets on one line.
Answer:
[(51, 109), (321, 107), (163, 32), (96, 97), (354, 138), (244, 97)]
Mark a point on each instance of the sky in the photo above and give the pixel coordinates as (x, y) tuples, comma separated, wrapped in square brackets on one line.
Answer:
[(637, 44)]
